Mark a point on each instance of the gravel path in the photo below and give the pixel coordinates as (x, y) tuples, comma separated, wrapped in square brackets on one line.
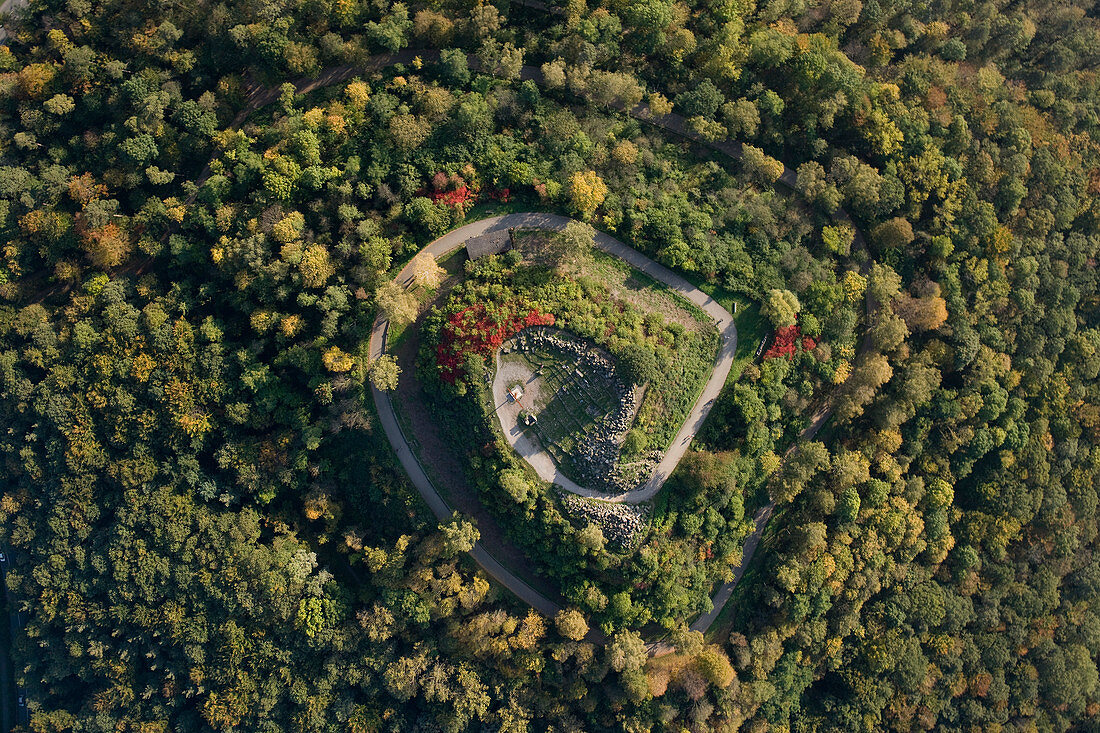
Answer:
[(522, 442)]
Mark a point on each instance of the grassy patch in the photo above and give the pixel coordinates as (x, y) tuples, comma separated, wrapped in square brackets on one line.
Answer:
[(752, 327), (485, 209), (669, 400), (454, 263), (396, 335)]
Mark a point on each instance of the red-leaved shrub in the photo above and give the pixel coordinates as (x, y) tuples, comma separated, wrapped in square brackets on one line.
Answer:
[(474, 331), (786, 342)]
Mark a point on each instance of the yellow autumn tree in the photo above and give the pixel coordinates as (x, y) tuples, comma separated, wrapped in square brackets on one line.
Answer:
[(760, 165), (262, 320), (571, 624), (291, 325), (33, 79), (853, 285), (625, 153), (426, 271), (358, 93), (843, 371), (337, 360), (659, 106), (288, 228), (396, 303), (586, 192), (315, 266), (314, 117)]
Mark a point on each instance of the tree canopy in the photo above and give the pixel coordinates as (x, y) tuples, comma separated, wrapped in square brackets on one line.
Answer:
[(203, 210)]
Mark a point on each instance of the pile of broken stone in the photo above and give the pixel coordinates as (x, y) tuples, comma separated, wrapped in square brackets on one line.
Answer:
[(596, 461), (551, 338), (620, 523)]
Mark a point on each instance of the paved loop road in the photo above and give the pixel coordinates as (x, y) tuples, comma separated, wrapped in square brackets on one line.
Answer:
[(531, 220), (392, 428)]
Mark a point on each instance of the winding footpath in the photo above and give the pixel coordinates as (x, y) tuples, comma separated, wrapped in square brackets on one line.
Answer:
[(390, 425)]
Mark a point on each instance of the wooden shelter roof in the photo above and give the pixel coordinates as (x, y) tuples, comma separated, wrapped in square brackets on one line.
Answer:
[(489, 243)]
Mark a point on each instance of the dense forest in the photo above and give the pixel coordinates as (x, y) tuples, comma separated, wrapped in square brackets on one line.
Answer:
[(202, 207)]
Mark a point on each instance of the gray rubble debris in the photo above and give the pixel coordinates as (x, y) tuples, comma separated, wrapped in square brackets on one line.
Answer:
[(596, 459), (621, 524)]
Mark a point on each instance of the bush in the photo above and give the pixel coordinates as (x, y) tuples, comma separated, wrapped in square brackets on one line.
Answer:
[(639, 364), (515, 484), (635, 442)]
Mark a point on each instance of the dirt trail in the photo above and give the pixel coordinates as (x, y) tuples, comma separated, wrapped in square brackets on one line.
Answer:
[(447, 471)]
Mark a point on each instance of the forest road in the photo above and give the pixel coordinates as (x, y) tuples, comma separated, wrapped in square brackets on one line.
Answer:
[(760, 521), (6, 668)]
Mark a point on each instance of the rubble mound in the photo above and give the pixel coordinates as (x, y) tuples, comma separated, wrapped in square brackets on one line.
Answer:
[(620, 523)]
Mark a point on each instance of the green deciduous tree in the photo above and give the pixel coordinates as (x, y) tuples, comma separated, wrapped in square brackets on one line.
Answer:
[(781, 307), (384, 373), (396, 303), (459, 536), (760, 165)]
